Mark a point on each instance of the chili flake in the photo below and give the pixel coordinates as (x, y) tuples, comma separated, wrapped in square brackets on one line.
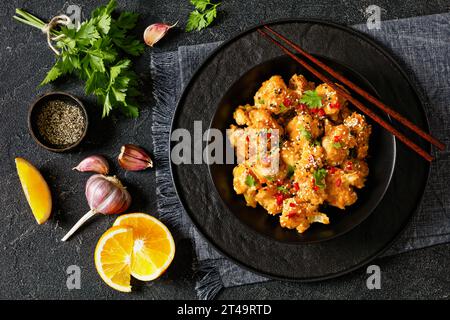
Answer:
[(279, 197)]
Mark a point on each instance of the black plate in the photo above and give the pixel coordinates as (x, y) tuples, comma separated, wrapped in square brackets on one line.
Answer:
[(261, 253), (381, 162)]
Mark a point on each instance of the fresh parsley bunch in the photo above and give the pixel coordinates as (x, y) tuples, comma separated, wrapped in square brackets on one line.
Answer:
[(96, 52), (203, 16)]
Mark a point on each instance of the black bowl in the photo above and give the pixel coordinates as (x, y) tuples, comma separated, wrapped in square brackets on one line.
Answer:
[(36, 107), (381, 159)]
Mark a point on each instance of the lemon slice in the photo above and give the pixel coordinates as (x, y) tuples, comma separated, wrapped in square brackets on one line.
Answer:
[(113, 257), (36, 190), (153, 248)]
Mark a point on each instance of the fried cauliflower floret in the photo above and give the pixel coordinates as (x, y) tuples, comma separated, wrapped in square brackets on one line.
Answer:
[(251, 144), (240, 173), (269, 169), (267, 198), (300, 215), (344, 113), (308, 189), (238, 139), (250, 197), (303, 154), (339, 190), (262, 119), (240, 115), (271, 95), (332, 101), (303, 127), (299, 84), (235, 134), (361, 130), (312, 157), (336, 142), (356, 172), (291, 152), (241, 179)]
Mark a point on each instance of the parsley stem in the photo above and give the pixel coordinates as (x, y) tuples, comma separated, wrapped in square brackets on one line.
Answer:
[(31, 20)]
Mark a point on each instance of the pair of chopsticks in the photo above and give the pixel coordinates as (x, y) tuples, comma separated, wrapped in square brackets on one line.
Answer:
[(357, 89)]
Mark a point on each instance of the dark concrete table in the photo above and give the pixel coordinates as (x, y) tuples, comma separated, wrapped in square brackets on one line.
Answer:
[(33, 261)]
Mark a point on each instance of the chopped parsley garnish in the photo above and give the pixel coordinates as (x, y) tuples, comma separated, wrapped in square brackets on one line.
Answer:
[(337, 145), (283, 189), (282, 107), (261, 101), (290, 171), (312, 99), (319, 177), (269, 178), (305, 133), (250, 181)]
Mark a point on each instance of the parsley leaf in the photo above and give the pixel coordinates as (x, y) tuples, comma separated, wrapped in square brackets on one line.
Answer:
[(104, 23), (319, 177), (283, 189), (337, 145), (204, 14), (196, 21), (127, 20), (305, 133), (250, 181), (200, 4), (311, 99), (52, 75), (290, 171), (210, 15)]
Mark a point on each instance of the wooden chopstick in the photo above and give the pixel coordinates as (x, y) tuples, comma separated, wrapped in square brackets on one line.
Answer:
[(355, 102), (394, 114)]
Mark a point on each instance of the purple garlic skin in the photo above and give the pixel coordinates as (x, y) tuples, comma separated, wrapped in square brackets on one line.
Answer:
[(107, 195), (155, 32), (95, 163), (134, 158)]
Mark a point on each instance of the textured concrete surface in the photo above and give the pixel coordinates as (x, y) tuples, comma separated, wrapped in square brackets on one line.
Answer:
[(33, 261)]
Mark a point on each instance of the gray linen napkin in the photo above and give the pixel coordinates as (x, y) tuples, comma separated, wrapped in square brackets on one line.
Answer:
[(421, 44)]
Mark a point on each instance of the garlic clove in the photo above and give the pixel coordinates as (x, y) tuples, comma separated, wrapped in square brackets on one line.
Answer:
[(95, 163), (153, 33), (134, 158)]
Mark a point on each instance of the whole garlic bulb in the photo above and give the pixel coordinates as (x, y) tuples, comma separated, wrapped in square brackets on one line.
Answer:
[(104, 194)]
